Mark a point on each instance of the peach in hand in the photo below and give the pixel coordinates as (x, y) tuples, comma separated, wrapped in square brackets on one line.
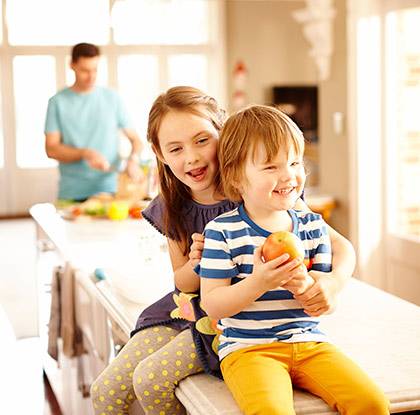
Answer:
[(283, 242)]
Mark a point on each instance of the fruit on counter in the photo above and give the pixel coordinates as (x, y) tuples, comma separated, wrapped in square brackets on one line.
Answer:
[(118, 211), (283, 242), (135, 212), (64, 203), (94, 208), (77, 210)]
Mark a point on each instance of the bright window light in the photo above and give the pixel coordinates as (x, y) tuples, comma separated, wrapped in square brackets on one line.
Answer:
[(138, 84), (1, 22), (34, 83), (165, 22), (1, 136), (403, 122), (57, 22), (188, 69)]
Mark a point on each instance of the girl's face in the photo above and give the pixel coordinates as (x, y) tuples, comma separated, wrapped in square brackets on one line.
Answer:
[(274, 186), (189, 147)]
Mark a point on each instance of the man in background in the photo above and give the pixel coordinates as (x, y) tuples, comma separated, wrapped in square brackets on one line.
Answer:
[(81, 132)]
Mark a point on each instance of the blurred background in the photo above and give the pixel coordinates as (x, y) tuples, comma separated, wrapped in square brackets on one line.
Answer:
[(347, 71)]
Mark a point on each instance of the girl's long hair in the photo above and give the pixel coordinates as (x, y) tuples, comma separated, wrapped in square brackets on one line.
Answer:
[(182, 99)]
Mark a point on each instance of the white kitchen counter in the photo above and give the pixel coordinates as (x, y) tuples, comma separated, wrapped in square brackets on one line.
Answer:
[(379, 331)]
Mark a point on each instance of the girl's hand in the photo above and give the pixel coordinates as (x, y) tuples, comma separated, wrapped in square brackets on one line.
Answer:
[(321, 298), (301, 281), (196, 250), (275, 273)]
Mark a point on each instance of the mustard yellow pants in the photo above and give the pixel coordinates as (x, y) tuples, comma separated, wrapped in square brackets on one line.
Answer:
[(261, 379)]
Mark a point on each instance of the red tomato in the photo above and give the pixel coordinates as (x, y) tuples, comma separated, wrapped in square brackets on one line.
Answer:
[(77, 210), (135, 212)]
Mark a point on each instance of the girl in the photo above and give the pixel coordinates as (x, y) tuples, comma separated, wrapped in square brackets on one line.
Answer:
[(174, 337)]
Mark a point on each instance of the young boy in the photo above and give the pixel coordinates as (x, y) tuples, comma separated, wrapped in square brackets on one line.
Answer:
[(268, 343)]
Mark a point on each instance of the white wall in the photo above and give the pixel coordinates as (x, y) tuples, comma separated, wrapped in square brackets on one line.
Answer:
[(271, 44)]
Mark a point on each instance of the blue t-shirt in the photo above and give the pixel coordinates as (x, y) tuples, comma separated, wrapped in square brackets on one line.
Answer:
[(229, 245), (87, 120)]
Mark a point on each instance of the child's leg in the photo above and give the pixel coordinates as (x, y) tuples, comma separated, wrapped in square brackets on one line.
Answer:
[(112, 392), (324, 370), (156, 377), (259, 379)]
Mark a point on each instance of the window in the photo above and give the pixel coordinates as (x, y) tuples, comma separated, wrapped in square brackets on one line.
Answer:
[(1, 136), (146, 47), (34, 84), (138, 81), (188, 69), (153, 22), (403, 122), (57, 22), (1, 110)]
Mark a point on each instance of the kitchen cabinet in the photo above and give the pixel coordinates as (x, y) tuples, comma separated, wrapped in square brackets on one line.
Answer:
[(124, 251)]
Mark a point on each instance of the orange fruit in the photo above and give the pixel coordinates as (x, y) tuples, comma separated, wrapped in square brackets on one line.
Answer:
[(283, 242)]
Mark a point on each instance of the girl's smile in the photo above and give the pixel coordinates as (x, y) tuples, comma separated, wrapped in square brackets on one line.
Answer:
[(198, 174), (188, 146)]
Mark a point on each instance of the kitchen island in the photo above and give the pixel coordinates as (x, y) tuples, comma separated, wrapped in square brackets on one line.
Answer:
[(134, 259), (379, 331)]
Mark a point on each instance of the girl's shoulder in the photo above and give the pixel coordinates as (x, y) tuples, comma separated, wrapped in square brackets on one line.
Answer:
[(154, 214), (196, 215)]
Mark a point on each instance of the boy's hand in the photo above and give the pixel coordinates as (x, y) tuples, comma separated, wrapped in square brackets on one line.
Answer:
[(274, 273), (196, 250)]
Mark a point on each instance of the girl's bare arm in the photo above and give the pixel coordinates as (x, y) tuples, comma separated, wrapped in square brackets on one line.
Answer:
[(322, 296), (183, 265)]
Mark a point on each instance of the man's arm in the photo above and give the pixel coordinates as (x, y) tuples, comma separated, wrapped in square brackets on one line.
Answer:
[(55, 149), (133, 163)]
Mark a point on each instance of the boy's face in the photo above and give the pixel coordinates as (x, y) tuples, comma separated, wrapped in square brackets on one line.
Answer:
[(272, 186)]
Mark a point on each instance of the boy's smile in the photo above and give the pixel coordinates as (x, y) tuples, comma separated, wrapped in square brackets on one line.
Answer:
[(272, 186)]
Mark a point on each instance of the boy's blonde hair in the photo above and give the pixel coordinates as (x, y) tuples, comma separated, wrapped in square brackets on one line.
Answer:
[(239, 138)]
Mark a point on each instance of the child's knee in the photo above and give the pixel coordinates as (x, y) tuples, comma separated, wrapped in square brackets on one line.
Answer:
[(370, 403), (149, 384), (97, 393)]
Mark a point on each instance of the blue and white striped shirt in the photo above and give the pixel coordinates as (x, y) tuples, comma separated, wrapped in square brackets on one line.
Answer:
[(230, 240)]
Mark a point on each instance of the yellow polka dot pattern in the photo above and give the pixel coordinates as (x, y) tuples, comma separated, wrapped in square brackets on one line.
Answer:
[(148, 368), (157, 376)]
